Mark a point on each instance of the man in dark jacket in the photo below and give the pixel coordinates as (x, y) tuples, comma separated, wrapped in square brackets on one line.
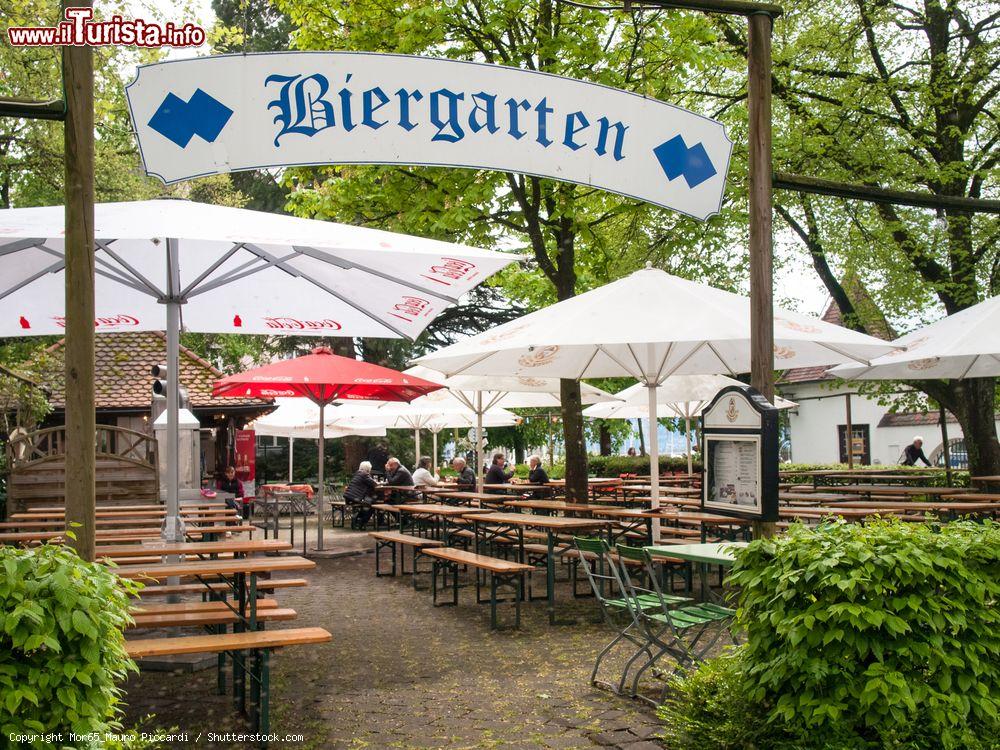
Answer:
[(397, 475), (915, 452), (498, 473), (466, 479), (361, 491)]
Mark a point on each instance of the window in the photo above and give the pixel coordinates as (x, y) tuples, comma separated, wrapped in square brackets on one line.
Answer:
[(860, 443)]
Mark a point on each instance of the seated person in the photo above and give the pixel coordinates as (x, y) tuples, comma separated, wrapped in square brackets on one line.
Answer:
[(361, 491), (498, 472), (537, 475), (423, 477), (466, 479), (397, 475), (229, 483)]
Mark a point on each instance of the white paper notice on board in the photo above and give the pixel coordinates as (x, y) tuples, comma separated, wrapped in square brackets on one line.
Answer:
[(228, 113)]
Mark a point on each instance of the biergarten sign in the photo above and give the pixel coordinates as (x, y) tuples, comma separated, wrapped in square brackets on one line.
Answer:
[(227, 113)]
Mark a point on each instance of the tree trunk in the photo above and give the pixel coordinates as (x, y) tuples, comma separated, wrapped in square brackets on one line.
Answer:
[(642, 438), (575, 442), (975, 409), (605, 440)]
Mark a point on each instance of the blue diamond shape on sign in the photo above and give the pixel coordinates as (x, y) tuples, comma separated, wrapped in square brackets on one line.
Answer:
[(179, 121), (677, 159)]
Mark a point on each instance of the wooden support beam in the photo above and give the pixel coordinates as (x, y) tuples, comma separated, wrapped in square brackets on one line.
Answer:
[(728, 7), (30, 110), (78, 80), (785, 181)]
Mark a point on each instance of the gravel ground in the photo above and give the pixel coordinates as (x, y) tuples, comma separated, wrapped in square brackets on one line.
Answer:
[(400, 673)]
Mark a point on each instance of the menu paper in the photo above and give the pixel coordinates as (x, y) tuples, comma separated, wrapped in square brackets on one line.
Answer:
[(734, 473)]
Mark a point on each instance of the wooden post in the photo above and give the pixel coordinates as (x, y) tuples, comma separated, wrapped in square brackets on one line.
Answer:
[(849, 429), (945, 447), (78, 139), (761, 260)]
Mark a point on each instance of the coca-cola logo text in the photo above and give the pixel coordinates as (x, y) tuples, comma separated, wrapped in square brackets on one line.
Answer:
[(410, 308), (294, 324), (451, 269), (113, 321)]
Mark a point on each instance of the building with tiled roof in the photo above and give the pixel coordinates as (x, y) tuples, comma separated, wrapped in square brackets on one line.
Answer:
[(818, 426), (123, 388)]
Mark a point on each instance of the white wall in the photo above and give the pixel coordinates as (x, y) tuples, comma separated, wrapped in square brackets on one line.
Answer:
[(814, 434)]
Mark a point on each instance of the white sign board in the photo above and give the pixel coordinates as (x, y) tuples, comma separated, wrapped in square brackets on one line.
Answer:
[(227, 113)]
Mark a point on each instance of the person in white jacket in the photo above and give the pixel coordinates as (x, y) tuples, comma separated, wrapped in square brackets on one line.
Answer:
[(423, 477)]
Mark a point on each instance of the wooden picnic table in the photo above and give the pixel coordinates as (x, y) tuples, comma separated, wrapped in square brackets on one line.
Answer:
[(110, 523), (553, 505), (815, 498), (843, 512), (989, 479), (443, 513), (504, 523), (975, 497), (103, 513), (186, 505), (221, 546), (892, 489), (471, 497), (647, 489), (106, 536)]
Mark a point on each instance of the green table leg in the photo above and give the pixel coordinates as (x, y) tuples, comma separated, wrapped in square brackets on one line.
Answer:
[(550, 577)]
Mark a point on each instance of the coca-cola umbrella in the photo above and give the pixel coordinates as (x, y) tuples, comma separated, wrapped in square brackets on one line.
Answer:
[(324, 377), (173, 264)]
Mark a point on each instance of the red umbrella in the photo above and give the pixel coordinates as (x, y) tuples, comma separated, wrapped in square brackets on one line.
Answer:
[(324, 377)]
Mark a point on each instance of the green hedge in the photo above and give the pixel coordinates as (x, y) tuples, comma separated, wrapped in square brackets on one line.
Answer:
[(885, 633), (62, 648), (612, 466)]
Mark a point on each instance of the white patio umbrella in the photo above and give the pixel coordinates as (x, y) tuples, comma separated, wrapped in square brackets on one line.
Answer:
[(685, 396), (478, 395), (649, 325), (168, 264), (299, 418), (959, 346)]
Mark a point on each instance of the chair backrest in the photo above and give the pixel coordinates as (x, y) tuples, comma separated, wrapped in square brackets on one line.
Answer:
[(603, 576), (651, 593)]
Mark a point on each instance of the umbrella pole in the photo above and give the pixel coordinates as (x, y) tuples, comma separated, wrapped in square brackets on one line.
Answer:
[(479, 441), (291, 447), (434, 453), (654, 459), (173, 526), (945, 447), (416, 447), (687, 436), (320, 493)]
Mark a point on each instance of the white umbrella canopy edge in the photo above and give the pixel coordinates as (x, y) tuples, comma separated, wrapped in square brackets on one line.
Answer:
[(233, 271), (648, 325), (963, 345)]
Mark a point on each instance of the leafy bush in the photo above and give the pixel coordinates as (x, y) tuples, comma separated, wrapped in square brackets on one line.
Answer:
[(709, 709), (61, 642), (886, 632), (612, 466)]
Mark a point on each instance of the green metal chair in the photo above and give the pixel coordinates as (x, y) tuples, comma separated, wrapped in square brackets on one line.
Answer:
[(685, 633), (616, 607)]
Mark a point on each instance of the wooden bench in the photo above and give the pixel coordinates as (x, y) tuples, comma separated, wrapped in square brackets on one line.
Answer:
[(220, 615), (260, 642), (390, 539), (447, 560), (266, 584)]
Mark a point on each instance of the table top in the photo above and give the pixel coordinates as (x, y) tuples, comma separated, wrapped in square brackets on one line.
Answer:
[(707, 518), (975, 497), (590, 480), (539, 522), (553, 505), (160, 571), (514, 486), (462, 495), (112, 513), (719, 553), (987, 478), (816, 497), (895, 489), (438, 509), (117, 535), (185, 505), (237, 546), (385, 488), (111, 523)]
